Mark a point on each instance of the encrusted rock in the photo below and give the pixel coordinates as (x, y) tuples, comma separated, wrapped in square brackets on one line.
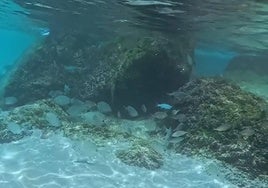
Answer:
[(44, 114), (122, 70), (141, 155), (222, 121)]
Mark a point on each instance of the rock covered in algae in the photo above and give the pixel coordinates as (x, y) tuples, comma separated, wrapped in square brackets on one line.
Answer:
[(141, 155), (9, 131), (43, 114), (100, 135), (137, 69), (224, 122)]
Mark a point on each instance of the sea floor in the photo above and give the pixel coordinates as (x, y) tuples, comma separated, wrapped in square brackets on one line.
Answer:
[(59, 162)]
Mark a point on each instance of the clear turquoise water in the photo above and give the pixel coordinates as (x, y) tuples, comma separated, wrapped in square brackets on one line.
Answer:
[(231, 28), (13, 45), (17, 35), (60, 162)]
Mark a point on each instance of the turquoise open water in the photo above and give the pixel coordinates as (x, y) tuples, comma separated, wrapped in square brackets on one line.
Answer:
[(57, 162)]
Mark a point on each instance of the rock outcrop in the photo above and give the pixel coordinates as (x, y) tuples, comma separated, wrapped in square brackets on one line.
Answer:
[(223, 122), (139, 70)]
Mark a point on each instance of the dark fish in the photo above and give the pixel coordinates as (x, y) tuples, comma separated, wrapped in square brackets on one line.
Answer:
[(83, 161)]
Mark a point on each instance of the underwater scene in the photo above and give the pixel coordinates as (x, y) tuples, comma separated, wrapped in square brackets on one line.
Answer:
[(133, 94)]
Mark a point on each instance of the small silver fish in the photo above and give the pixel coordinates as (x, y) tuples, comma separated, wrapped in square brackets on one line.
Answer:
[(179, 134), (44, 32), (175, 112), (132, 112), (119, 114), (178, 94), (180, 117), (176, 140), (160, 115), (190, 60), (83, 161), (247, 132), (224, 127), (45, 134), (10, 101), (104, 107), (143, 108)]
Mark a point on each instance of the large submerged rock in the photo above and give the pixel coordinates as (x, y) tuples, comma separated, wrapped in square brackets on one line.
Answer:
[(222, 121), (139, 70)]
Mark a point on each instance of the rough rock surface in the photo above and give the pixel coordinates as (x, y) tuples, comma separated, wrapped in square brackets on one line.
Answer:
[(124, 69), (44, 114), (141, 155), (32, 116), (223, 122)]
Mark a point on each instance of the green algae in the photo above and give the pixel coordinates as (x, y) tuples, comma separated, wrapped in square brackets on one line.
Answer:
[(141, 154), (210, 103)]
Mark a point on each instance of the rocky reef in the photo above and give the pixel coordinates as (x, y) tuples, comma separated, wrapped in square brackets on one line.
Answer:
[(223, 122), (50, 118), (141, 155), (138, 69), (19, 122), (209, 117)]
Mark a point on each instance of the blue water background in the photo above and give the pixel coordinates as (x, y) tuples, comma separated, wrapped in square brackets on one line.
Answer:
[(18, 34), (13, 45), (212, 60)]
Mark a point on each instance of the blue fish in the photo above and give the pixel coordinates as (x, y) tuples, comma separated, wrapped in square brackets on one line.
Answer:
[(44, 32), (164, 106)]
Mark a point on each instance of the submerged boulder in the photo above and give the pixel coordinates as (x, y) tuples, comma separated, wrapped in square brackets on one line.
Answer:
[(221, 121), (136, 70)]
